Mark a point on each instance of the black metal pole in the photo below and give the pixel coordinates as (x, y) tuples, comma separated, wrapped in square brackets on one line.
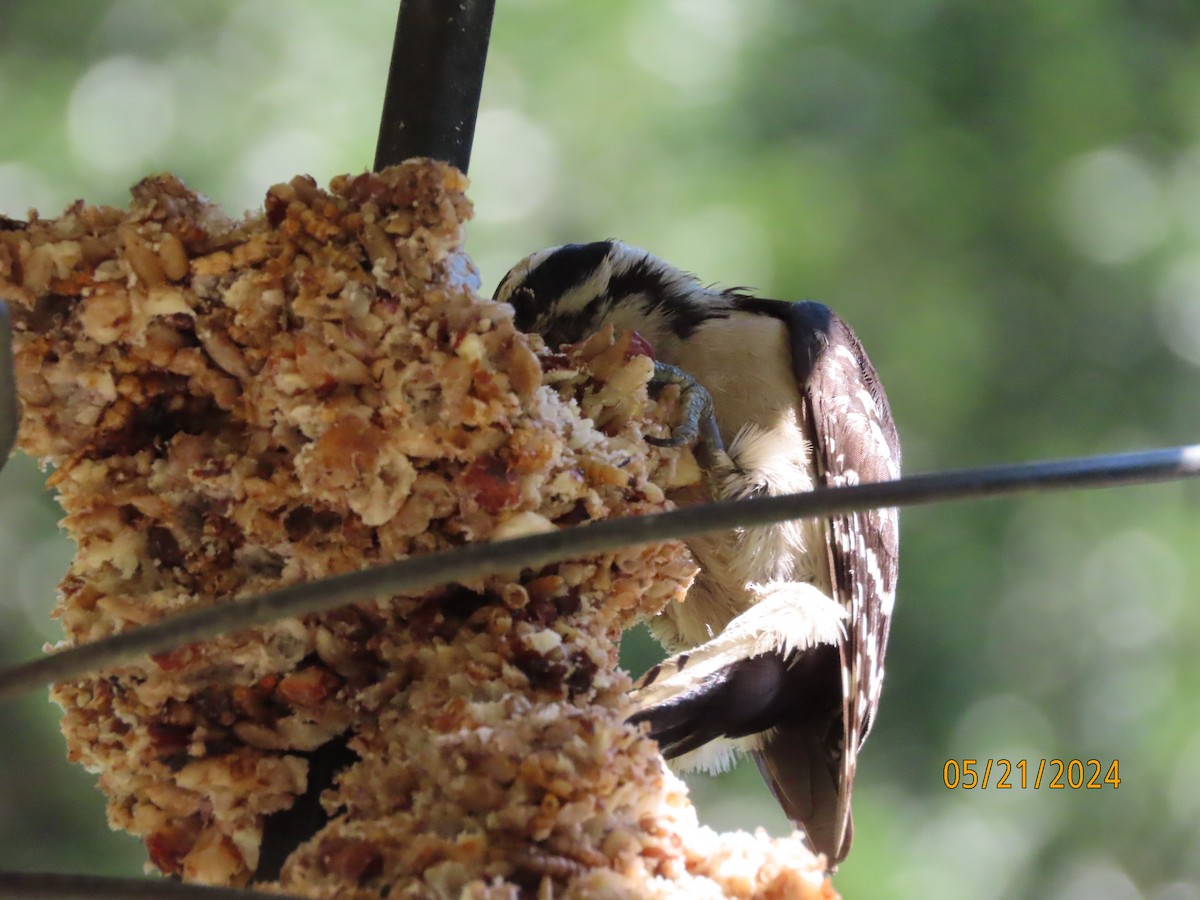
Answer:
[(433, 86), (8, 388)]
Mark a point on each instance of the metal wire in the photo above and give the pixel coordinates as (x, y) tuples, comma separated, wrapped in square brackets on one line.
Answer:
[(48, 886), (477, 560), (436, 75)]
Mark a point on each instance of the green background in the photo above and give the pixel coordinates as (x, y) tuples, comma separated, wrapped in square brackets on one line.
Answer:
[(1002, 198)]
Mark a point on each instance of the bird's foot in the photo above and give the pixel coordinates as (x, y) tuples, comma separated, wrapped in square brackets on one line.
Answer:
[(697, 426)]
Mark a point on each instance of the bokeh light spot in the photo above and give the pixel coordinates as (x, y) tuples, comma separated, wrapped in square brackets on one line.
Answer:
[(1092, 880), (1134, 585), (721, 244), (1002, 726), (691, 45), (21, 188), (278, 157), (1178, 308), (966, 853), (1177, 890), (121, 116), (514, 167), (1112, 206)]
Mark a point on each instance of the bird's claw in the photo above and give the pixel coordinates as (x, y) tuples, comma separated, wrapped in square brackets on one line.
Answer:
[(697, 425)]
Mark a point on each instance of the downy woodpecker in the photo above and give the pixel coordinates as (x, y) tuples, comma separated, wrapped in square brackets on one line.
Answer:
[(779, 646)]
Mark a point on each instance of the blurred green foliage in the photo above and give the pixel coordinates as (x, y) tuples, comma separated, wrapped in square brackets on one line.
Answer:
[(1003, 198)]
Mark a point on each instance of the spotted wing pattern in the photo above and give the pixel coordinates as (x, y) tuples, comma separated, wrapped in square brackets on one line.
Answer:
[(854, 440)]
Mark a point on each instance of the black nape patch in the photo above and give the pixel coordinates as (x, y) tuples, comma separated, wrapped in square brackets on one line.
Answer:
[(287, 829), (809, 325)]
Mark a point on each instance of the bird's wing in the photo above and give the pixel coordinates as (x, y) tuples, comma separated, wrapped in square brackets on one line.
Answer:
[(854, 440)]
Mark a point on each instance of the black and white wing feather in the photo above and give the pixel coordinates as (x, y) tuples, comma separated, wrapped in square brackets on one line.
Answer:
[(853, 437)]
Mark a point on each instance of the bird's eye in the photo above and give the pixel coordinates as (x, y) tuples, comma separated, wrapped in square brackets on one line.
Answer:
[(525, 305)]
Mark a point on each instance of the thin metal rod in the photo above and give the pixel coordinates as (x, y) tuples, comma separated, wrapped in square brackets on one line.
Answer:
[(50, 886), (433, 87), (8, 387), (478, 560)]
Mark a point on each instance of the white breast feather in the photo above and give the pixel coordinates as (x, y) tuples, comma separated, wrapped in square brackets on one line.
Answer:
[(758, 413)]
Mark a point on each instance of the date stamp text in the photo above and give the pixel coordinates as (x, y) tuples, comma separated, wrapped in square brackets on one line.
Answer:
[(1052, 774)]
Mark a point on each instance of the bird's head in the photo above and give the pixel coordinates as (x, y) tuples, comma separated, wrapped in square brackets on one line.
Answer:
[(567, 293)]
